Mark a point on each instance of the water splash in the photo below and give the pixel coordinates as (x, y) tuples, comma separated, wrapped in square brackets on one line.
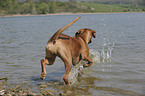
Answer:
[(96, 56), (103, 56), (106, 53), (76, 70)]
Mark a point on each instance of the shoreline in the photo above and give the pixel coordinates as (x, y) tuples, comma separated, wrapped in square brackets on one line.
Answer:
[(63, 13)]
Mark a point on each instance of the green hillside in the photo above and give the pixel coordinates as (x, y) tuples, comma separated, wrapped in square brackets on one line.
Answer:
[(11, 7), (94, 7)]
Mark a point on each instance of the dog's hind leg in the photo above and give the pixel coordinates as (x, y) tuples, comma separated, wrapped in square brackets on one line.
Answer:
[(67, 59), (47, 61), (43, 64), (68, 66)]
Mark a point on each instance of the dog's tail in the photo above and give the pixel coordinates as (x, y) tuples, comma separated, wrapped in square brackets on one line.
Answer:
[(58, 33)]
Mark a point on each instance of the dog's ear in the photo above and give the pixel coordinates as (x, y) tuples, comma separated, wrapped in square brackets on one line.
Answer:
[(78, 32), (94, 33)]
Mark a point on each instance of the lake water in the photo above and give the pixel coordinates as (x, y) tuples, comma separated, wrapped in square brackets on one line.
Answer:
[(118, 53)]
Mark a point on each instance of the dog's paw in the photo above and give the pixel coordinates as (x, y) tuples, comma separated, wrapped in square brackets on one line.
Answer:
[(42, 77), (86, 65)]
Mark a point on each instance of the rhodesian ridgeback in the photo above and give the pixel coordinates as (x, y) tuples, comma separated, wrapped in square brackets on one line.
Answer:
[(70, 49)]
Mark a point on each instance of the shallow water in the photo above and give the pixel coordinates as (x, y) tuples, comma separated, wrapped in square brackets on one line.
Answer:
[(117, 52)]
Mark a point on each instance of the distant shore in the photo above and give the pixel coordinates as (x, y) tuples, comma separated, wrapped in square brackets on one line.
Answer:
[(63, 13), (14, 15)]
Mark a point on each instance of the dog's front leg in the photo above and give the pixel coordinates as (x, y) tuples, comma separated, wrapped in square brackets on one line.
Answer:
[(43, 64), (85, 57), (89, 62)]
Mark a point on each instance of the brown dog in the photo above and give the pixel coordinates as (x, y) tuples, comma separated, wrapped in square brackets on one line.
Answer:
[(70, 49)]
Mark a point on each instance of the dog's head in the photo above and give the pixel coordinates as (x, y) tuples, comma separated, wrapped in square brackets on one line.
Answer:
[(86, 34)]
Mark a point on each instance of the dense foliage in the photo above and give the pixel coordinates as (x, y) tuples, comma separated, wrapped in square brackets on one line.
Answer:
[(56, 6)]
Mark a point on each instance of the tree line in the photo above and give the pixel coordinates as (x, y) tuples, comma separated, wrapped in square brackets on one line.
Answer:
[(9, 7), (36, 6)]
